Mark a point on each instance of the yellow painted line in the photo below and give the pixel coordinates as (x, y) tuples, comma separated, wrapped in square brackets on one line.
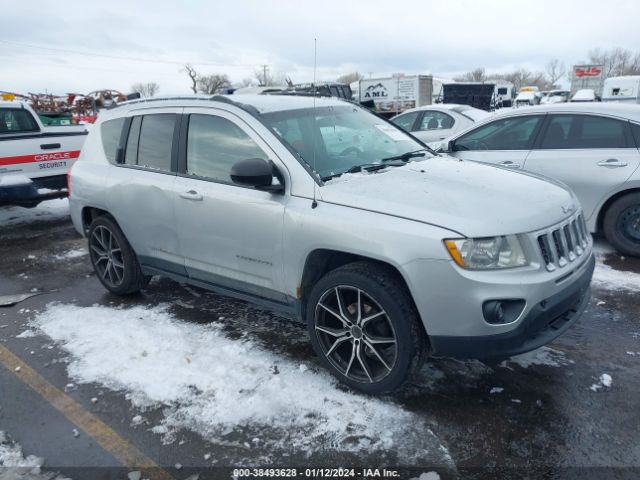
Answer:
[(106, 437)]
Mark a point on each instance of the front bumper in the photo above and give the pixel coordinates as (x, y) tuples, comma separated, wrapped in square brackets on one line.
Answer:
[(545, 321), (27, 193)]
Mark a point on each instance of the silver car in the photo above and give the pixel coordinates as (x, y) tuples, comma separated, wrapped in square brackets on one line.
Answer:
[(321, 211), (434, 123), (593, 148)]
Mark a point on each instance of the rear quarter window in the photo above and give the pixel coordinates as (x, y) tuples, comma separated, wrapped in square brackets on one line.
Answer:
[(110, 132)]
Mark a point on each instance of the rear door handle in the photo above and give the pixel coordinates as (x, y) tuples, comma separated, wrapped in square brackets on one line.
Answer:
[(191, 195), (612, 163), (49, 146), (510, 164)]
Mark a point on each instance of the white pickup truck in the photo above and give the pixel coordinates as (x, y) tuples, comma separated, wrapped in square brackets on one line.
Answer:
[(34, 159)]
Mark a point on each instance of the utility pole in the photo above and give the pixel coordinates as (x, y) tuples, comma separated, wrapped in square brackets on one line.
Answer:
[(264, 74)]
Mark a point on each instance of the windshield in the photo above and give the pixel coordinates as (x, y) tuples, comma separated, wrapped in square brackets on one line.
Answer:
[(345, 136)]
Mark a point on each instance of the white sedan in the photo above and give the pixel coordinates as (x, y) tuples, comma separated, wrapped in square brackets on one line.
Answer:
[(435, 123)]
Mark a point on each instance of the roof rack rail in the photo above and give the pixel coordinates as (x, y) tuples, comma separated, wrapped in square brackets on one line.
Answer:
[(164, 98)]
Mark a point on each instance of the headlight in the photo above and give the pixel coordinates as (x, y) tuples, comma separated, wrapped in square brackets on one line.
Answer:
[(487, 253)]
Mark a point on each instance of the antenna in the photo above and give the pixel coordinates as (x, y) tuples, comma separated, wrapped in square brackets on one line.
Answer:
[(314, 203)]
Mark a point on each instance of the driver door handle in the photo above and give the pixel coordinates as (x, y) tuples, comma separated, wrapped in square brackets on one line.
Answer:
[(191, 195), (509, 164), (612, 162)]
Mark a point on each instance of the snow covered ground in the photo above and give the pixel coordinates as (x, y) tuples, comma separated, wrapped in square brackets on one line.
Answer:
[(49, 210), (15, 466), (612, 279), (221, 388)]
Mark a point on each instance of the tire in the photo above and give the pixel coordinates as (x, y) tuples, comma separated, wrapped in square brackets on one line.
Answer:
[(621, 224), (344, 341), (113, 260)]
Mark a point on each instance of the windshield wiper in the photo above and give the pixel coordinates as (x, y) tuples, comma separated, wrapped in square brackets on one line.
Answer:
[(367, 167), (405, 157)]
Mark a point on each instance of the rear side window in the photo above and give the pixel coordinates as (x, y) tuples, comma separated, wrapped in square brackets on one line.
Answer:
[(514, 133), (110, 132), (584, 131), (150, 141), (406, 121), (17, 120), (214, 145), (433, 120)]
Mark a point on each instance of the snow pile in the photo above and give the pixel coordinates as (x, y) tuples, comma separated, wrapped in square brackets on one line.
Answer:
[(605, 381), (612, 279), (79, 252), (217, 386), (11, 457), (542, 356), (49, 210)]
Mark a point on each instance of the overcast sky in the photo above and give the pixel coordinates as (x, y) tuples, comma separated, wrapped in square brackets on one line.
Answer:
[(75, 46)]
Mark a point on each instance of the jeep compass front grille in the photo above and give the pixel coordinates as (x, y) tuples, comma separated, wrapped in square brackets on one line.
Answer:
[(564, 243)]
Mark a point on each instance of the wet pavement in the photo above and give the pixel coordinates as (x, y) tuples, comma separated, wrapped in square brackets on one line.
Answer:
[(544, 415)]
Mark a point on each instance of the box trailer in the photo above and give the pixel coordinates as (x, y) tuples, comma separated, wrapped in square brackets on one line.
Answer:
[(622, 89), (390, 96)]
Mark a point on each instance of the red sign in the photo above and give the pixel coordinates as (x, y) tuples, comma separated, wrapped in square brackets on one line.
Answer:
[(588, 71)]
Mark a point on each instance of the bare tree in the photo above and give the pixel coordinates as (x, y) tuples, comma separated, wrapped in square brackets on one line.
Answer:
[(193, 75), (266, 79), (477, 75), (616, 61), (247, 82), (210, 84), (555, 70), (349, 78), (146, 89)]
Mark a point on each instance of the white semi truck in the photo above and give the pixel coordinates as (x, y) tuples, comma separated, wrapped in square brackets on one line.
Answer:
[(34, 159)]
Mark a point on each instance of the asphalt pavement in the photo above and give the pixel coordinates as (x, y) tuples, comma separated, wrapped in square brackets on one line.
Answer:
[(546, 415)]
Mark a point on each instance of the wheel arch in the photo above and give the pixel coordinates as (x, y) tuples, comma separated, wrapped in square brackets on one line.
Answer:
[(321, 261), (89, 214), (605, 206)]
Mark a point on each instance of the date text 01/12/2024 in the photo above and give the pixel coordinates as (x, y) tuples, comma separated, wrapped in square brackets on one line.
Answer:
[(315, 473)]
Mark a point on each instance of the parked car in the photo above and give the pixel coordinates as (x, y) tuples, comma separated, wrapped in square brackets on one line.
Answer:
[(555, 96), (322, 211), (622, 89), (34, 159), (527, 98), (585, 95), (593, 148), (435, 123)]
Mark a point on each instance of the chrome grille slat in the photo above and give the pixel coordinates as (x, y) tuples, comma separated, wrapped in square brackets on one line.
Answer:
[(562, 244)]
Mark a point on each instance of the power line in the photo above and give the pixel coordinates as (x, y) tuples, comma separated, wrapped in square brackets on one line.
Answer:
[(120, 57)]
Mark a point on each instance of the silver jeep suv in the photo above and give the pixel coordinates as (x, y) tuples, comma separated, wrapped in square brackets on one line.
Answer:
[(320, 210)]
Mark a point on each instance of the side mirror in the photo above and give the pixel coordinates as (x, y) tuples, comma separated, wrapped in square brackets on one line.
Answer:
[(256, 173)]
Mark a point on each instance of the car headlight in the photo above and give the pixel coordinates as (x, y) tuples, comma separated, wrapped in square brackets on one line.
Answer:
[(487, 253)]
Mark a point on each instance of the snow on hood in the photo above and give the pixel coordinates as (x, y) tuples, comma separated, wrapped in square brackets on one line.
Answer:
[(466, 197)]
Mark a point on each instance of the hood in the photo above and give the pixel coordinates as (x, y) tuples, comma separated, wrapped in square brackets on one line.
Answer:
[(469, 198)]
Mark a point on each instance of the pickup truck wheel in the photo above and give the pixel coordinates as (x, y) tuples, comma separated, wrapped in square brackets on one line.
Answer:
[(363, 325), (114, 261), (622, 224)]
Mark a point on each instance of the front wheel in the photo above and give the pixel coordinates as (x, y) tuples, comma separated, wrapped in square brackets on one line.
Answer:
[(622, 224), (363, 325), (114, 261)]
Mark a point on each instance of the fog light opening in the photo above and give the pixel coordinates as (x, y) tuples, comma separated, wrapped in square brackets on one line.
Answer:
[(499, 312)]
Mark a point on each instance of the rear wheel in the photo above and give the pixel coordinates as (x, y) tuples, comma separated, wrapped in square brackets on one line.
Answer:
[(364, 326), (114, 261), (622, 224)]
